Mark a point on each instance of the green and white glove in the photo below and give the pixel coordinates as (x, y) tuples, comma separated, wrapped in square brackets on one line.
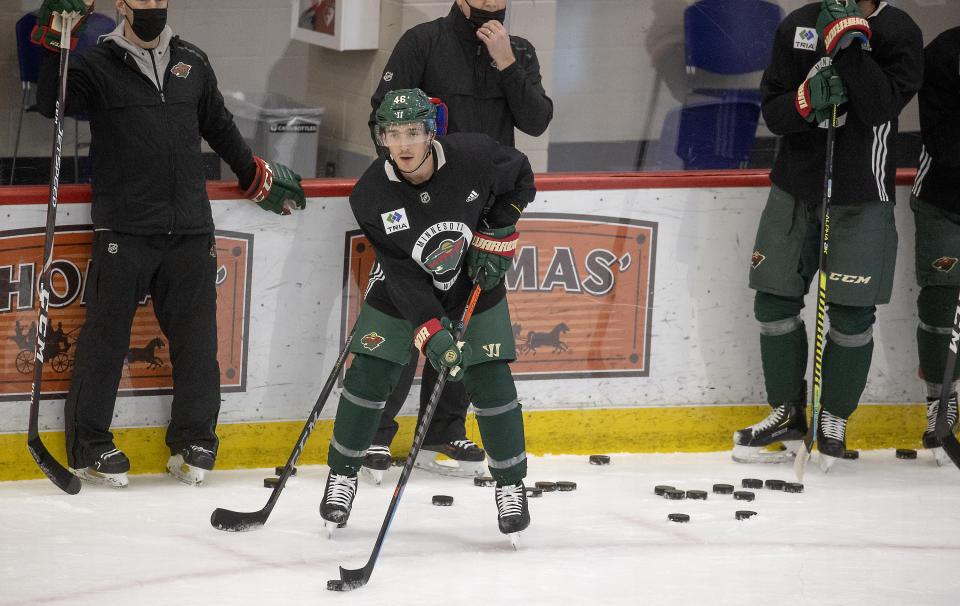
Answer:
[(49, 28), (434, 339), (818, 94), (841, 22), (493, 250), (276, 188)]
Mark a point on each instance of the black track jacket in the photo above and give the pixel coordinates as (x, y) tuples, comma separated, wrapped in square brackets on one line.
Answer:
[(148, 175), (444, 58), (421, 233), (880, 79)]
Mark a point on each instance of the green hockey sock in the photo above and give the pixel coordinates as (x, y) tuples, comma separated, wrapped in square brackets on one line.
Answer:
[(500, 419)]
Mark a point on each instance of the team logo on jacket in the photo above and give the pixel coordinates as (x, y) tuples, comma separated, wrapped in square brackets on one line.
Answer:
[(371, 341), (439, 250), (756, 259), (805, 38), (945, 264), (181, 70), (395, 220)]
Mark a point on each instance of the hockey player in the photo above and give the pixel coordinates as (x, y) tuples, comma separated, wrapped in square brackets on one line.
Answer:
[(936, 207), (435, 210), (151, 97), (865, 58), (490, 80)]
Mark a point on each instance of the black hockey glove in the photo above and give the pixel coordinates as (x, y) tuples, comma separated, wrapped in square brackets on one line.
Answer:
[(276, 188), (493, 250), (434, 339)]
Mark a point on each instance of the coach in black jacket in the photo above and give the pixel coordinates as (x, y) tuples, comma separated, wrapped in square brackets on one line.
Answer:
[(490, 82), (150, 98)]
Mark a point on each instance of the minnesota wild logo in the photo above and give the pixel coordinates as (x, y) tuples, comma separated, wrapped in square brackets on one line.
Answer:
[(446, 256), (371, 340)]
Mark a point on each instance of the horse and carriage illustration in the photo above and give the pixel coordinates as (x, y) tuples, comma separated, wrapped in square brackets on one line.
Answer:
[(541, 339)]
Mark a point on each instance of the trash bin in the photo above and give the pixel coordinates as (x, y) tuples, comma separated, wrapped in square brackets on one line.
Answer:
[(277, 128)]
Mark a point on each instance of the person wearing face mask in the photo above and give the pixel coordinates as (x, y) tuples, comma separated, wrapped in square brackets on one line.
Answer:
[(151, 97), (490, 82)]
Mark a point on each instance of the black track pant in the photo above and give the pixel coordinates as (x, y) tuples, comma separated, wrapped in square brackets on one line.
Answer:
[(449, 418), (179, 272)]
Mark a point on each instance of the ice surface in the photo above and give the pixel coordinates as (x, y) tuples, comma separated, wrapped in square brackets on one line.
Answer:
[(874, 531)]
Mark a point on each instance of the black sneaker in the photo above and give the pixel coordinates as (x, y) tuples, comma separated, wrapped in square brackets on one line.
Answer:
[(513, 515), (338, 498)]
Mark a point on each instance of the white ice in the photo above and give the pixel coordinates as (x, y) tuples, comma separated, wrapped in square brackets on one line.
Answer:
[(874, 531)]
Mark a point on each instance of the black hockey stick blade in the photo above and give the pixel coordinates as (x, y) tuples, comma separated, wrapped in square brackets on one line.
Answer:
[(351, 578), (58, 474), (943, 430), (240, 521)]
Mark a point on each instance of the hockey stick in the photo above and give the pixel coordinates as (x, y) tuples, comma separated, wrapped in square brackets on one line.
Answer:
[(57, 473), (239, 521), (943, 430), (800, 464), (354, 578)]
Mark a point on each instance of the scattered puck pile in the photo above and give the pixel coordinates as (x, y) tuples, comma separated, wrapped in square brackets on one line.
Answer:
[(673, 493)]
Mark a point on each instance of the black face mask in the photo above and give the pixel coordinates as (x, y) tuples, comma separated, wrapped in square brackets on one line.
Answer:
[(148, 23), (478, 16)]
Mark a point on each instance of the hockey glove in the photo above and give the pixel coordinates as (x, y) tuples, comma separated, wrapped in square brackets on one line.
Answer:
[(492, 249), (49, 27), (434, 339), (840, 22), (818, 94), (276, 188)]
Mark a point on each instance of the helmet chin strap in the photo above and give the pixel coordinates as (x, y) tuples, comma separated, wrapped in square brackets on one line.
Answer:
[(425, 156)]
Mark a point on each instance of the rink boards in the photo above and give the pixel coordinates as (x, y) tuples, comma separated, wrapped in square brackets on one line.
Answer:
[(629, 302)]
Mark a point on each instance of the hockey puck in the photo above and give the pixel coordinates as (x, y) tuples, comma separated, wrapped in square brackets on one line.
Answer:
[(270, 482), (751, 483), (906, 453), (533, 493), (564, 486), (599, 460), (723, 488), (546, 486), (678, 517), (279, 471), (674, 494), (793, 487), (851, 455), (661, 488), (484, 481), (744, 514), (744, 495), (774, 484), (442, 500), (697, 495)]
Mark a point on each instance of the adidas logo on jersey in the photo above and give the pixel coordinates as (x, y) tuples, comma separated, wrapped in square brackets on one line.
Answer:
[(473, 195)]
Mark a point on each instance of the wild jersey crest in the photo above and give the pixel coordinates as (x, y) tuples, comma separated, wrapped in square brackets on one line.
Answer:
[(440, 249)]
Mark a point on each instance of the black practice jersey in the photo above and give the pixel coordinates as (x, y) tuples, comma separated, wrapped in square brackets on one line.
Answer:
[(938, 174), (421, 233), (879, 77)]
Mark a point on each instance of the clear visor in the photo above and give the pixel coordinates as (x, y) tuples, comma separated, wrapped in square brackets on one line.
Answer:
[(392, 135)]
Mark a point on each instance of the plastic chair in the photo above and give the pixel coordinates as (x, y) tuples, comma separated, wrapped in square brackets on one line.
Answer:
[(29, 56), (709, 136), (730, 36)]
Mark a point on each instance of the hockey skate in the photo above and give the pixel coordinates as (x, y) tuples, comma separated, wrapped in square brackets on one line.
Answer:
[(930, 439), (786, 423), (375, 463), (190, 464), (831, 439), (337, 501), (513, 515), (464, 459), (109, 469)]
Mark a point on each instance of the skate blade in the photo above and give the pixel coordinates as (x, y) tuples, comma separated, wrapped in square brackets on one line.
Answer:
[(427, 460), (514, 540), (760, 454), (330, 527), (110, 480), (371, 475), (188, 474), (940, 456), (825, 462)]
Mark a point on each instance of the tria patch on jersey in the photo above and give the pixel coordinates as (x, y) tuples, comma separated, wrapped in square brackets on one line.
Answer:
[(181, 70), (395, 220), (805, 38), (371, 341)]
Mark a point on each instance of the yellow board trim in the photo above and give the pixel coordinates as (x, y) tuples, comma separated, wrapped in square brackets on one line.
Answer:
[(673, 429)]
